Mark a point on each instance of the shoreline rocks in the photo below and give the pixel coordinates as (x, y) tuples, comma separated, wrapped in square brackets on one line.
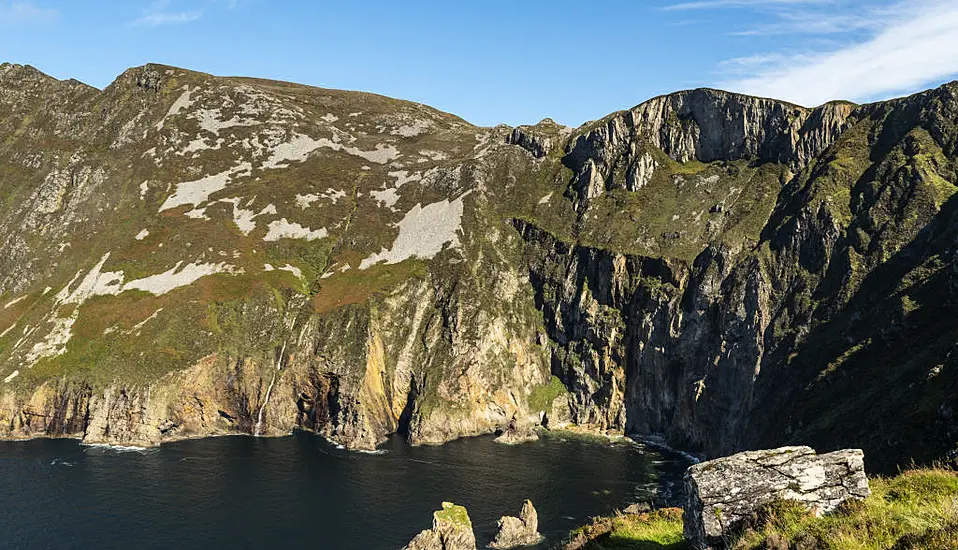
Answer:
[(451, 530), (516, 433), (515, 532), (722, 494)]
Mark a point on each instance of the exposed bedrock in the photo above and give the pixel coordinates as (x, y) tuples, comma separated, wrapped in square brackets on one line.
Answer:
[(188, 255)]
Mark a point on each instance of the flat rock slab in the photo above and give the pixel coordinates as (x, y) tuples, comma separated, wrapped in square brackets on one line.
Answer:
[(723, 493)]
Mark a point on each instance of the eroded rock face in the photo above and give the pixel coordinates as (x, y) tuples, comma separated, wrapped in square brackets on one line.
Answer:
[(188, 255), (723, 493), (451, 530), (518, 531)]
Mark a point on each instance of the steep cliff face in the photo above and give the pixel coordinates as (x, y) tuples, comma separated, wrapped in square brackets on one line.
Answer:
[(187, 255), (795, 332)]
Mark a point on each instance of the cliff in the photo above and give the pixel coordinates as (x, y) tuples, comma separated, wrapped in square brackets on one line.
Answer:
[(186, 255)]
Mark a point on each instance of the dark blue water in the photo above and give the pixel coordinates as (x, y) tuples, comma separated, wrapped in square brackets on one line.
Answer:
[(299, 492)]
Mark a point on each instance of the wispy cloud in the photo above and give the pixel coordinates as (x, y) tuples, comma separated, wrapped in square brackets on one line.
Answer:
[(25, 12), (717, 4), (816, 22), (897, 54), (159, 14)]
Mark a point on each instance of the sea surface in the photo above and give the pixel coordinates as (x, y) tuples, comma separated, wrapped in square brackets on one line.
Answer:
[(300, 492)]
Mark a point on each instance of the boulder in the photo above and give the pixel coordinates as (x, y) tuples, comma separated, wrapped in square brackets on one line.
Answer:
[(721, 494), (518, 531), (638, 508), (516, 433), (451, 530)]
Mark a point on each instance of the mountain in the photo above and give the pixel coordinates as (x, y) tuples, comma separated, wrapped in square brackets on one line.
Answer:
[(187, 255)]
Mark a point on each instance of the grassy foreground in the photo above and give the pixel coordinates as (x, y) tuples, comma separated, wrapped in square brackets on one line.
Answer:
[(916, 510)]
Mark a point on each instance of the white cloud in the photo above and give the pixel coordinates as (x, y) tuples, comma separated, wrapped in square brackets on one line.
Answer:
[(902, 54), (25, 12), (157, 19), (157, 15), (815, 22)]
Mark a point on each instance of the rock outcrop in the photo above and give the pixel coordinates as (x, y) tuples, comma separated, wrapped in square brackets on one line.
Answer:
[(515, 532), (517, 432), (451, 530), (189, 255), (703, 125), (724, 493)]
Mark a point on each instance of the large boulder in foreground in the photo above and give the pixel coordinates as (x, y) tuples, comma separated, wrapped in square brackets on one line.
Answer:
[(451, 530), (518, 531), (723, 493)]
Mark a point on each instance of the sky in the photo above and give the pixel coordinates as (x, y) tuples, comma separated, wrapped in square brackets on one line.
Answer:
[(514, 61)]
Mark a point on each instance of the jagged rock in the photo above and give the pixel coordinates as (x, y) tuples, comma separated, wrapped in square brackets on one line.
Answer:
[(451, 530), (536, 144), (516, 433), (724, 493), (641, 173), (518, 531), (832, 260), (638, 508)]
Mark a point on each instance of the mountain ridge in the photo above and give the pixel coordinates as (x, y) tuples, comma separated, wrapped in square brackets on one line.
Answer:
[(191, 255)]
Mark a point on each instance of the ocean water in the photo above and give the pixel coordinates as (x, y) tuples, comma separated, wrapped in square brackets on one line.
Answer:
[(301, 492)]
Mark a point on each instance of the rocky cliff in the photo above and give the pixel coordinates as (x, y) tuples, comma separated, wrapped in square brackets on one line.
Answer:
[(186, 255)]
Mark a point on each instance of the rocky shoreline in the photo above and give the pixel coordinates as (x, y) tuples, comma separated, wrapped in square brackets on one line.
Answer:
[(722, 498)]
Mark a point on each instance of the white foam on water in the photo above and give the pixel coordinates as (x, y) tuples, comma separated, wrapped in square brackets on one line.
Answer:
[(116, 448)]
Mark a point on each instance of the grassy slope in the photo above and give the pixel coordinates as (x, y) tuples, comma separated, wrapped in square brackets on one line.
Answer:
[(918, 509)]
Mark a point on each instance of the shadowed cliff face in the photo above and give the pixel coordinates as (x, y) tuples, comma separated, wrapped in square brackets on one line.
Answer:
[(187, 255)]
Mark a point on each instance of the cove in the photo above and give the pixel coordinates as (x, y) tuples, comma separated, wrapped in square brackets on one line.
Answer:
[(299, 491)]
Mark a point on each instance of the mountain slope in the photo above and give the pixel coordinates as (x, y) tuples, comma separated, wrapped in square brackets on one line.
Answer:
[(187, 255)]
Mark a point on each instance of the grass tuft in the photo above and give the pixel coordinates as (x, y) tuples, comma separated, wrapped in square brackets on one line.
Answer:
[(918, 509)]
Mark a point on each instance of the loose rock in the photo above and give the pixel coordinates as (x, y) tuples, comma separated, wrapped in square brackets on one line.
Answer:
[(638, 508), (516, 433), (723, 493), (518, 531)]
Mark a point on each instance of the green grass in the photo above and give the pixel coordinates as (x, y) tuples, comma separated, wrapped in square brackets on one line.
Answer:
[(541, 397), (918, 509), (453, 514), (658, 530)]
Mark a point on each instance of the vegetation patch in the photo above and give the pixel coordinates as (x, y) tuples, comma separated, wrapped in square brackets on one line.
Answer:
[(541, 397), (918, 509), (453, 514)]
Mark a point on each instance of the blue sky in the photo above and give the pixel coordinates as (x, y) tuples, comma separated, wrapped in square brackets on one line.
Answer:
[(514, 61)]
